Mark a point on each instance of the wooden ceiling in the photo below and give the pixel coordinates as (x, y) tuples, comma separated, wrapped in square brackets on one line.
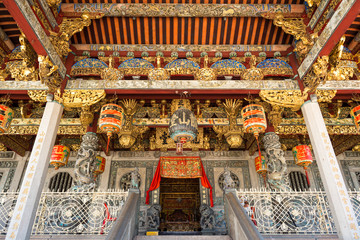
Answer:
[(8, 24), (169, 30), (352, 30)]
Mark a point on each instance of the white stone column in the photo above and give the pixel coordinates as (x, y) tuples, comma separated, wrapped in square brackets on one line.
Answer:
[(32, 184), (340, 205)]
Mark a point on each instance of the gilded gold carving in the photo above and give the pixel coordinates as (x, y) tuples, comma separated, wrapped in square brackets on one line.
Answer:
[(253, 73), (325, 95), (296, 28), (54, 5), (233, 133), (275, 116), (48, 74), (68, 27), (164, 142), (111, 73), (205, 73), (80, 98), (158, 73), (41, 16), (33, 130), (129, 133), (86, 116), (23, 66), (37, 95), (284, 98), (317, 74), (3, 148)]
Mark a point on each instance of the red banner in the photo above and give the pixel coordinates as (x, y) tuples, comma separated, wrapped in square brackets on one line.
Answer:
[(179, 167)]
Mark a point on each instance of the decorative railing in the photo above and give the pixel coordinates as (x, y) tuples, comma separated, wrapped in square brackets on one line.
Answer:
[(68, 213), (293, 212)]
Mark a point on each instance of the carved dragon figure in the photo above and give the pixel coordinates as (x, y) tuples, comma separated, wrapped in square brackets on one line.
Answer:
[(84, 165), (277, 177)]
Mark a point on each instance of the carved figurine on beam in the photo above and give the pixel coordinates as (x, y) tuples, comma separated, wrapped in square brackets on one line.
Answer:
[(297, 28)]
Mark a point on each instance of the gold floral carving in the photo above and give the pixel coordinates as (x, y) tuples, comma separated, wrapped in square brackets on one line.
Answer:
[(37, 95), (33, 130), (284, 98), (54, 5), (325, 95), (80, 98), (68, 27), (71, 98)]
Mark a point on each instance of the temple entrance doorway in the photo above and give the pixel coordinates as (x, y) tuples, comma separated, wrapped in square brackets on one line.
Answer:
[(180, 205)]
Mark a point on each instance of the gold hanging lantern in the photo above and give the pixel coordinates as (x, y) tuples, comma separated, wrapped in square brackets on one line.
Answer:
[(59, 156), (6, 116), (254, 121), (183, 127), (99, 166), (111, 120), (303, 158)]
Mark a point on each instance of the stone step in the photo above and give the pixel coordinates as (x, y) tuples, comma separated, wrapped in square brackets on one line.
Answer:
[(183, 237)]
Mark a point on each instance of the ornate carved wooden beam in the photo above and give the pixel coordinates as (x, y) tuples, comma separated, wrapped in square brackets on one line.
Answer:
[(31, 27), (48, 13), (336, 27), (181, 10), (181, 48), (18, 144)]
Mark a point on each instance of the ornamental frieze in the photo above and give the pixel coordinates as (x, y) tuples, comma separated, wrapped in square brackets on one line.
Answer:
[(180, 10)]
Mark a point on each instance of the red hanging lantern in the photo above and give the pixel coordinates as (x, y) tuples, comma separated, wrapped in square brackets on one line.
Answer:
[(6, 116), (183, 128), (303, 158), (254, 121), (261, 167), (99, 166), (355, 115), (111, 120), (59, 156)]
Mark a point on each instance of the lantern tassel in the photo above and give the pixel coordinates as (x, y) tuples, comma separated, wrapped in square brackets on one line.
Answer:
[(257, 141), (108, 142), (307, 177)]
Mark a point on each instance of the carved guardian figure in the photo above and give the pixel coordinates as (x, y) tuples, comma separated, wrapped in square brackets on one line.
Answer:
[(153, 216), (207, 220)]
